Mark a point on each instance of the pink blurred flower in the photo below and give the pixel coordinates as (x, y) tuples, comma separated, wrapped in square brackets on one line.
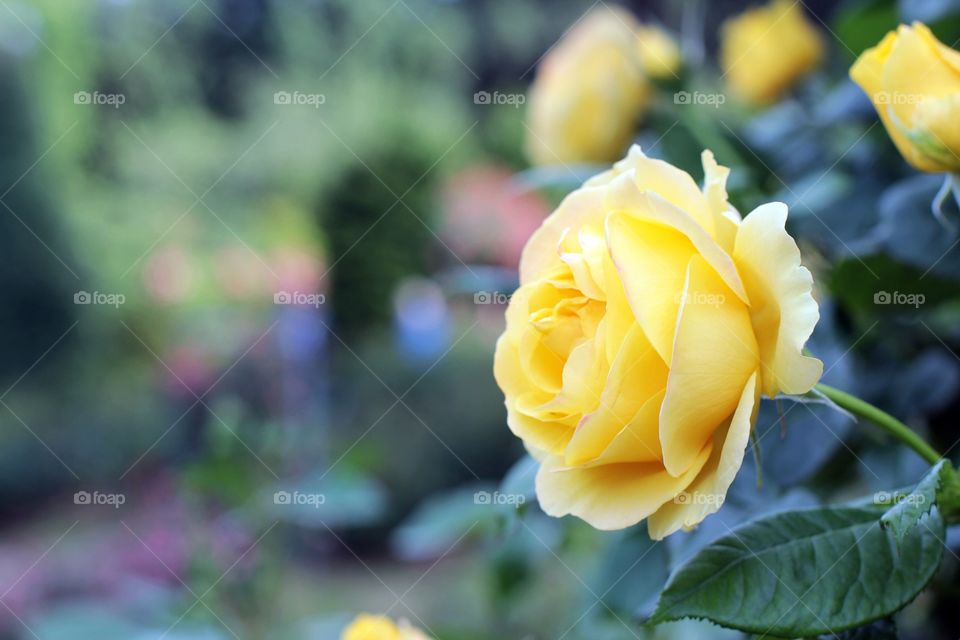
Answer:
[(297, 270), (487, 217), (169, 275)]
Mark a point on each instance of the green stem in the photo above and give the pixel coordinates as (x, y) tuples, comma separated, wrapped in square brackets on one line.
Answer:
[(882, 419)]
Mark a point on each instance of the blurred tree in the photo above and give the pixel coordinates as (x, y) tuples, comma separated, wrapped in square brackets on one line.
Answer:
[(35, 287), (377, 217)]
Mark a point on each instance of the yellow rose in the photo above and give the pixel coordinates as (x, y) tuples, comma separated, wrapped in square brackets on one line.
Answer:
[(659, 53), (765, 50), (648, 321), (913, 80), (589, 93), (367, 627)]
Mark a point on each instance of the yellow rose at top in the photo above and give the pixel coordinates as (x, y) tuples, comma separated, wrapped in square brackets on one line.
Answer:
[(765, 50), (589, 92), (659, 53), (367, 627), (649, 320), (913, 80)]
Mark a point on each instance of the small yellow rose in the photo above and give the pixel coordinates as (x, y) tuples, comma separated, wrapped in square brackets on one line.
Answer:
[(765, 50), (913, 80), (659, 53), (589, 93), (648, 321), (367, 627)]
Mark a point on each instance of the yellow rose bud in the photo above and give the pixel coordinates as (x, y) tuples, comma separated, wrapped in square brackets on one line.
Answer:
[(589, 93), (648, 321), (913, 80), (659, 53), (367, 627), (765, 50)]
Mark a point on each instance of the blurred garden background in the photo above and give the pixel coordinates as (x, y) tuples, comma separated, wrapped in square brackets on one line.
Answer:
[(256, 257)]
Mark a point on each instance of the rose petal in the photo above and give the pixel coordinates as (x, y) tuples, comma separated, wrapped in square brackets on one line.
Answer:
[(783, 311), (707, 492), (610, 496), (715, 352)]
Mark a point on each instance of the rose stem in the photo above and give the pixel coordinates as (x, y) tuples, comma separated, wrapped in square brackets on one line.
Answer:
[(882, 419)]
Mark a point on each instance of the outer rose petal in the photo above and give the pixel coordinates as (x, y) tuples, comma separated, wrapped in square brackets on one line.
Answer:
[(725, 217), (667, 181), (545, 436), (714, 354), (783, 311), (610, 496), (717, 475), (519, 390), (578, 209)]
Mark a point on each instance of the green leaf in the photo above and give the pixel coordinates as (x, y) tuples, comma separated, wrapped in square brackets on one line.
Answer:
[(442, 521), (907, 510), (804, 573)]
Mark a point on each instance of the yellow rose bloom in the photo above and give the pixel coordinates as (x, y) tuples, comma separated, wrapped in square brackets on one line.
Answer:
[(589, 93), (367, 627), (765, 50), (659, 53), (648, 321), (913, 80)]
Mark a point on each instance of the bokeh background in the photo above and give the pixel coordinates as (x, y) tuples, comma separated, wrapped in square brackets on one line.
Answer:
[(255, 258)]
